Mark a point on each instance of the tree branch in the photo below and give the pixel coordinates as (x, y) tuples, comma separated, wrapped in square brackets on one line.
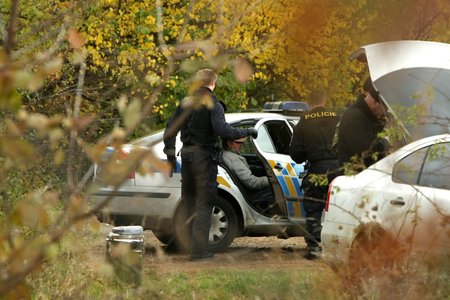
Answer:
[(12, 28)]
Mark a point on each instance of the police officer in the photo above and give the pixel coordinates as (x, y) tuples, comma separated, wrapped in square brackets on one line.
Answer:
[(201, 120), (311, 143), (358, 140)]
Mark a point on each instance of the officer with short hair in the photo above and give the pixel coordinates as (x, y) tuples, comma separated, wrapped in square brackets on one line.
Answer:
[(200, 117), (311, 143)]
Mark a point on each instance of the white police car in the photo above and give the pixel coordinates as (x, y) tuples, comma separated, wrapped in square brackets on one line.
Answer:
[(405, 197), (154, 201)]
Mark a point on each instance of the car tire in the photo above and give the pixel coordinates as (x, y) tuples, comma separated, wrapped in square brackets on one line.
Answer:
[(224, 227), (165, 238)]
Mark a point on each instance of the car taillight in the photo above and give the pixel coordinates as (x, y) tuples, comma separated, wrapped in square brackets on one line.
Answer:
[(122, 154), (328, 196)]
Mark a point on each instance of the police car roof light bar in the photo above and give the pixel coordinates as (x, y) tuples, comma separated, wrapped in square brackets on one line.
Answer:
[(286, 107)]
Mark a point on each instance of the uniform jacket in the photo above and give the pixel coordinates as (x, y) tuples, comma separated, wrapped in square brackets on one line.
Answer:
[(357, 134), (199, 127), (239, 166), (312, 140)]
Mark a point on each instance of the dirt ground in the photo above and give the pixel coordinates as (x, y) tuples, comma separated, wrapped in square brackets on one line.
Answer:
[(245, 253)]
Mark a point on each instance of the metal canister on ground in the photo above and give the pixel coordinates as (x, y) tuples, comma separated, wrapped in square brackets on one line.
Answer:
[(124, 250)]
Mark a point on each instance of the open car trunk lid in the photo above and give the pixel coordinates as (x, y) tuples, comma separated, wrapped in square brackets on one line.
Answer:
[(413, 78)]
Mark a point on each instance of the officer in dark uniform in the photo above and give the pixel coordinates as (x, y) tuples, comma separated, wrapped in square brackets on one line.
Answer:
[(311, 143), (358, 140), (201, 120)]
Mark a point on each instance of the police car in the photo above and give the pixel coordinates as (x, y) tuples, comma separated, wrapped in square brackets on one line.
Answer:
[(154, 201)]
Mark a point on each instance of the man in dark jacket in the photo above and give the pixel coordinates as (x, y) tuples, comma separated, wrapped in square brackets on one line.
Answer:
[(200, 117), (311, 142), (358, 140)]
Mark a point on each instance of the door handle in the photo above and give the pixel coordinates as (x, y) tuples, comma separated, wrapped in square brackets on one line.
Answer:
[(398, 202), (278, 167)]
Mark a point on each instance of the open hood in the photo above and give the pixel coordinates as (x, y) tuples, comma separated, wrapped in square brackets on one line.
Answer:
[(413, 78)]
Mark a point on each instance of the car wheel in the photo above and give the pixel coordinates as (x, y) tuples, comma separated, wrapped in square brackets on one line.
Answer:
[(224, 227), (165, 238)]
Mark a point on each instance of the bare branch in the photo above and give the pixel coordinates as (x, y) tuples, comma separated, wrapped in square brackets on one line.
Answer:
[(12, 28), (160, 26), (185, 21), (74, 133)]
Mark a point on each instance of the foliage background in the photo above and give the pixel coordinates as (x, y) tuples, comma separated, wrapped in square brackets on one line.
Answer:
[(76, 76)]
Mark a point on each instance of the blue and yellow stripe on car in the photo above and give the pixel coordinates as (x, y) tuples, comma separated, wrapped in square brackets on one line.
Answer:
[(288, 178), (295, 209)]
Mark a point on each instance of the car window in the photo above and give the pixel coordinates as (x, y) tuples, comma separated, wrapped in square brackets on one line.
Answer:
[(281, 134), (407, 170), (247, 148), (274, 137), (264, 141), (436, 170)]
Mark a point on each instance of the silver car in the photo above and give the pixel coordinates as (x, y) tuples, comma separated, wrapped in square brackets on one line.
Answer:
[(154, 201)]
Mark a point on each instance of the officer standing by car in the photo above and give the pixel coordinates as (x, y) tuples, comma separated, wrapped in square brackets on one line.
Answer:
[(358, 141), (200, 118), (311, 143)]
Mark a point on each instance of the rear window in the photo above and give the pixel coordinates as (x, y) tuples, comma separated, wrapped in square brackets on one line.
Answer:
[(407, 170), (429, 167), (436, 170)]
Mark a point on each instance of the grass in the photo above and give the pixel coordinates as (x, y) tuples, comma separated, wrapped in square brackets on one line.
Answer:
[(75, 273), (69, 281), (227, 284)]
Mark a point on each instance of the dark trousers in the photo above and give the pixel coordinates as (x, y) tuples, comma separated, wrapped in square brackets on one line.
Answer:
[(199, 192), (314, 205), (262, 198)]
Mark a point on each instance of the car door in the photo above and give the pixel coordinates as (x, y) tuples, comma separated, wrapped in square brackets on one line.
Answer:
[(272, 145), (417, 198), (434, 197)]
